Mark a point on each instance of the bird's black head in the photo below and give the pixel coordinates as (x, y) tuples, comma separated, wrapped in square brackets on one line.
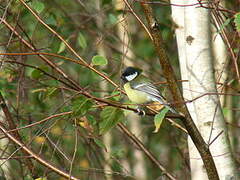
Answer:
[(130, 73)]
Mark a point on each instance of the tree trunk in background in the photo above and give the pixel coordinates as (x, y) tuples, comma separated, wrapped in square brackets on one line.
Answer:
[(194, 45), (221, 62), (178, 18), (220, 56), (4, 142), (139, 168), (107, 138)]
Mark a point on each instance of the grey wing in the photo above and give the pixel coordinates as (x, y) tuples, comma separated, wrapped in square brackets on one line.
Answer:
[(153, 93), (151, 90)]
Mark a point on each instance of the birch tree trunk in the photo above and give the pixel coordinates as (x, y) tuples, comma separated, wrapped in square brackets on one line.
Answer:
[(178, 18), (196, 62)]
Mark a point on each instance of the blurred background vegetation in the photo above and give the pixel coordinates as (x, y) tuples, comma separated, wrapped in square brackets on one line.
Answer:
[(33, 89)]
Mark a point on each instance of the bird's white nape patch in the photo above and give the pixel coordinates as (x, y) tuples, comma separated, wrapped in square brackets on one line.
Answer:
[(132, 76)]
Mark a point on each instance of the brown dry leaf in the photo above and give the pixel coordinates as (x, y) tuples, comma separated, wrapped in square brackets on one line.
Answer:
[(155, 106), (40, 139), (83, 122), (84, 163)]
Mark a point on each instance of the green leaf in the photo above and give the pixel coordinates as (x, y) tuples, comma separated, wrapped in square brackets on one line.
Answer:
[(235, 50), (27, 177), (82, 40), (36, 74), (118, 152), (51, 20), (51, 92), (237, 21), (66, 109), (226, 112), (37, 6), (225, 24), (110, 116), (62, 47), (159, 118), (115, 95), (112, 18), (41, 178), (100, 143), (91, 119), (81, 106), (106, 2), (51, 82), (99, 60)]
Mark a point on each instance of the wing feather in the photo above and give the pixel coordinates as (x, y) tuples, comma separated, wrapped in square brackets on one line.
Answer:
[(154, 94), (151, 90)]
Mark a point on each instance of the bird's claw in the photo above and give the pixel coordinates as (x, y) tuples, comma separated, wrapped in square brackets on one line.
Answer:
[(140, 112)]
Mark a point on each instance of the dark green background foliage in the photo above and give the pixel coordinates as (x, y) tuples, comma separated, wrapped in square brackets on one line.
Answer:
[(33, 95)]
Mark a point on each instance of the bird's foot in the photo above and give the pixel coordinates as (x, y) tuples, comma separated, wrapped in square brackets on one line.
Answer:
[(140, 112)]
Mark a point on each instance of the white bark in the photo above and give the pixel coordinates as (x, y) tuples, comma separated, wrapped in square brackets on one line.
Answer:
[(193, 38), (178, 18)]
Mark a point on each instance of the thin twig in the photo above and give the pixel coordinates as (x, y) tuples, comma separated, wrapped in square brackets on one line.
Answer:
[(46, 60), (138, 19), (145, 150), (75, 148), (215, 138), (15, 134), (41, 121), (68, 46)]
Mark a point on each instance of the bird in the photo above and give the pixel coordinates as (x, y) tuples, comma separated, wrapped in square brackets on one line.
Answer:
[(140, 90)]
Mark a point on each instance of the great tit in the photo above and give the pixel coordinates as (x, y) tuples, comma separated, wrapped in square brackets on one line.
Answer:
[(140, 90)]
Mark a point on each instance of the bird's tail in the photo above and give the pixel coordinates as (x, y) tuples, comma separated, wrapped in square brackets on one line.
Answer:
[(171, 109)]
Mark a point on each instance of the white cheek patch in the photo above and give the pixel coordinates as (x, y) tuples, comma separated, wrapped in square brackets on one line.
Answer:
[(132, 76)]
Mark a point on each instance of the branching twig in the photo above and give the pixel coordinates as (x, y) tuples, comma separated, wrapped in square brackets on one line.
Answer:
[(35, 156), (15, 134), (138, 19), (68, 46), (46, 60), (146, 151)]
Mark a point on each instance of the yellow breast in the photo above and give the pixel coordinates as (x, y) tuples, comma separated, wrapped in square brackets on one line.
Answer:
[(135, 96)]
